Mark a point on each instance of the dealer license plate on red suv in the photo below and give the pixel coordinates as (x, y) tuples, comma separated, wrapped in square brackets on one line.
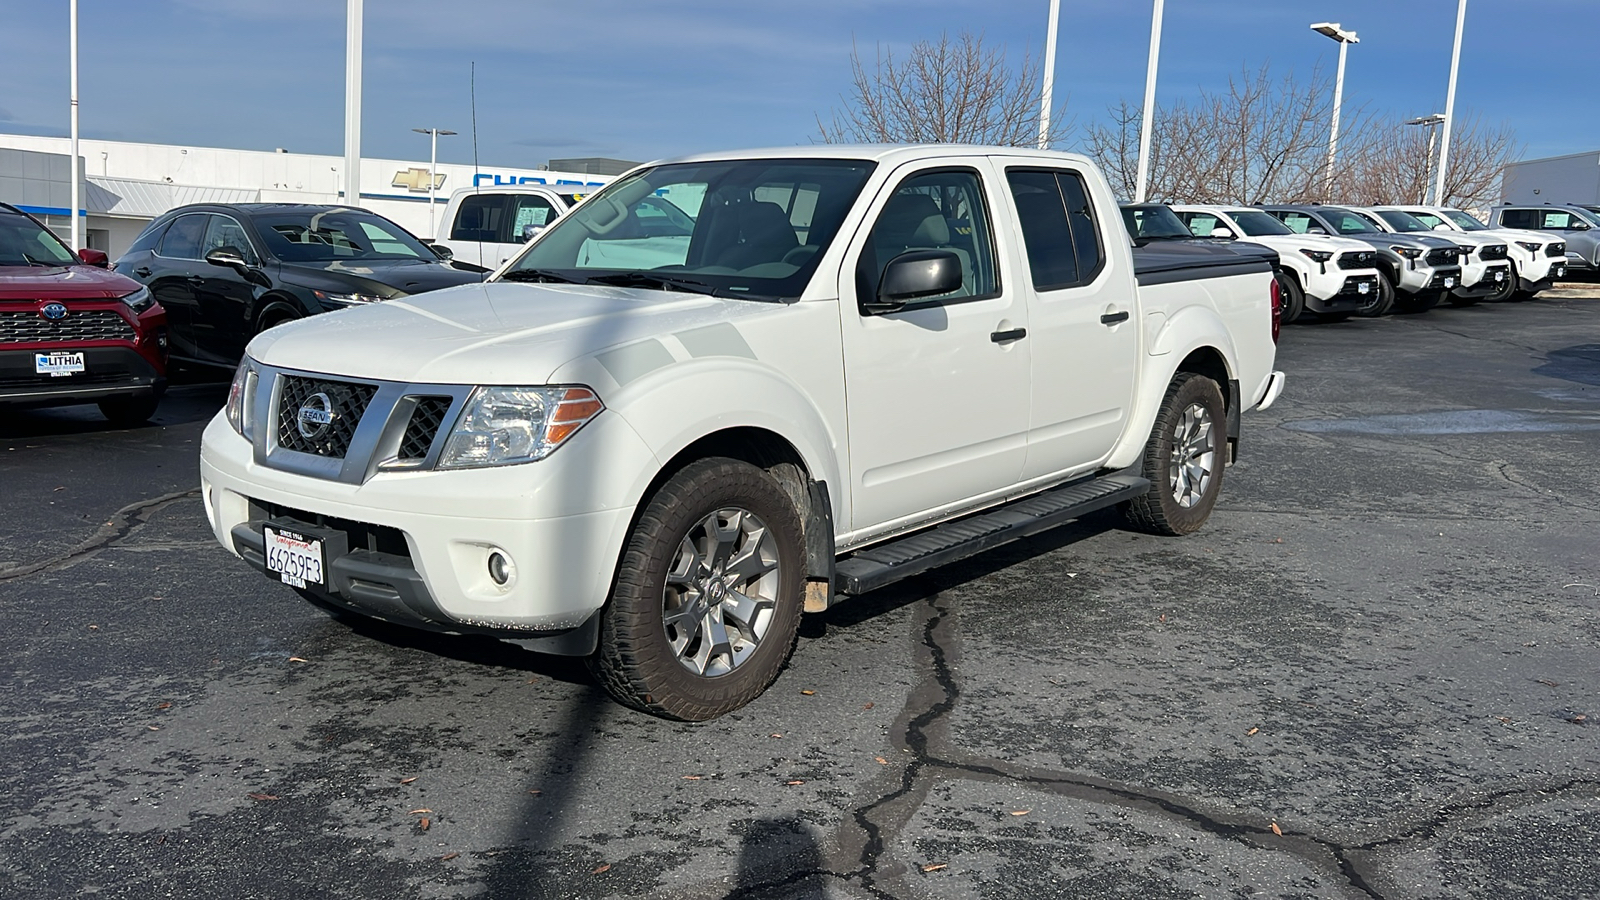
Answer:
[(298, 560), (56, 364)]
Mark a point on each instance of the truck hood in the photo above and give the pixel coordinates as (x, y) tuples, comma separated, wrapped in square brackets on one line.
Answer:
[(493, 333)]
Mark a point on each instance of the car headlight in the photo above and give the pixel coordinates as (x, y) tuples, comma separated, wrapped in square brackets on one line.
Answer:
[(501, 426), (139, 300), (238, 393), (1320, 256), (1530, 246), (1407, 252), (353, 299)]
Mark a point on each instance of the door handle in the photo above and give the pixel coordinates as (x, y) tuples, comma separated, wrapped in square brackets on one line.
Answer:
[(142, 271), (194, 279), (1115, 318), (1003, 337)]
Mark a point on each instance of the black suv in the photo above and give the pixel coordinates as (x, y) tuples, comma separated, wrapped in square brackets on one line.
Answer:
[(225, 273)]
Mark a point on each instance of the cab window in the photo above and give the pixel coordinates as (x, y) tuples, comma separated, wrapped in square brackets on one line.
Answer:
[(940, 210), (1058, 227), (223, 233)]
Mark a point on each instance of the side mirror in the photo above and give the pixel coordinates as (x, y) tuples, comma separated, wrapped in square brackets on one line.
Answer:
[(918, 273), (96, 258), (1221, 231), (1442, 227), (1316, 229), (530, 231), (443, 252), (227, 257)]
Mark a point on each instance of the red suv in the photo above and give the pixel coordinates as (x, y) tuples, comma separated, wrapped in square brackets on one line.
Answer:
[(73, 332)]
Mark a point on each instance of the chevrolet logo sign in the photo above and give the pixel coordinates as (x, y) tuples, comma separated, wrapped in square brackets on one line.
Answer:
[(416, 180)]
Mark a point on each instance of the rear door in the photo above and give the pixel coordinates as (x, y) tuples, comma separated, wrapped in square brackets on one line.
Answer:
[(1083, 322), (937, 392)]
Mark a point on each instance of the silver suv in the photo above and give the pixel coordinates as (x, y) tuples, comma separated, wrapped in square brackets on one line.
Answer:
[(1578, 226)]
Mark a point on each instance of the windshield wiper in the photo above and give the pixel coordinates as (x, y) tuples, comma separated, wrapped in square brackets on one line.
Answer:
[(539, 275), (646, 279)]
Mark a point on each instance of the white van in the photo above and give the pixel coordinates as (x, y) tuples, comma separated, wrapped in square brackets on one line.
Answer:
[(485, 226)]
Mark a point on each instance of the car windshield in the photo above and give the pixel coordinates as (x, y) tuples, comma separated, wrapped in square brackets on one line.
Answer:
[(337, 234), (1464, 221), (1403, 221), (734, 228), (1588, 215), (1345, 222), (1154, 222), (24, 243), (1257, 224)]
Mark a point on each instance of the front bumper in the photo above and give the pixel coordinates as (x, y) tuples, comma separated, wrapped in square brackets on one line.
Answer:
[(1491, 279), (109, 373), (1353, 291), (1416, 277), (413, 547)]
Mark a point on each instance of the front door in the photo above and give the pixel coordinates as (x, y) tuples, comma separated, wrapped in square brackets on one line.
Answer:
[(937, 393), (175, 282), (224, 296)]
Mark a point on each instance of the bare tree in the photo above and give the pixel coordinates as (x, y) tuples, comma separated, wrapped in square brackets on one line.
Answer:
[(953, 91), (1395, 164)]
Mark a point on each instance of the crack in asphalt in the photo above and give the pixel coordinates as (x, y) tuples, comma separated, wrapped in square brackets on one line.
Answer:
[(123, 523), (919, 731)]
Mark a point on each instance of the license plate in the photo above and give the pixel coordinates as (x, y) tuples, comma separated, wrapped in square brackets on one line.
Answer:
[(57, 364), (1499, 274), (298, 560), (1363, 288), (1561, 271), (1449, 282)]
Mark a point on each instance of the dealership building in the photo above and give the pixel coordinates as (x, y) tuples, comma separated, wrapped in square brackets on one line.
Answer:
[(1574, 178), (126, 185)]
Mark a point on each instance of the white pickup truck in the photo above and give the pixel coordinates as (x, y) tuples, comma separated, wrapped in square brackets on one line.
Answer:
[(486, 226), (860, 363)]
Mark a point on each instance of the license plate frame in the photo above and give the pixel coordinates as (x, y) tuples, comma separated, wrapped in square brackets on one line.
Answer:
[(59, 363), (299, 560)]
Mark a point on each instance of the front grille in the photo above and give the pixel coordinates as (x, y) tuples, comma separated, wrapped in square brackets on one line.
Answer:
[(27, 326), (424, 425), (1359, 259), (1493, 251), (1352, 286), (344, 401), (1559, 248), (1444, 256)]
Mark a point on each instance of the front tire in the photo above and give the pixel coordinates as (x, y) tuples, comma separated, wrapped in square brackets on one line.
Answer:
[(706, 605), (1184, 458), (1381, 301)]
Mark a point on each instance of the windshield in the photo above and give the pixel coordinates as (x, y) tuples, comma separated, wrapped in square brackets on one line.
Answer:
[(24, 243), (739, 227), (1403, 221), (1464, 221), (1583, 212), (337, 234), (1257, 224), (1154, 223)]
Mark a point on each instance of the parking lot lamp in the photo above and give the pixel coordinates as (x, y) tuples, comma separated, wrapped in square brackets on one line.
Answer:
[(1049, 75), (1450, 104), (433, 164), (1345, 38), (77, 177), (352, 103), (1427, 171), (1147, 121)]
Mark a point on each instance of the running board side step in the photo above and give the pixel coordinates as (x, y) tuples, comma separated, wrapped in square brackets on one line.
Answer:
[(887, 563)]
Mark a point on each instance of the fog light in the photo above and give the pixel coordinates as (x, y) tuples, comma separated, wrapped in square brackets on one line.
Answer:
[(501, 568)]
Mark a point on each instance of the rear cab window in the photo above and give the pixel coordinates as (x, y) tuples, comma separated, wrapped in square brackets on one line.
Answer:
[(1059, 227)]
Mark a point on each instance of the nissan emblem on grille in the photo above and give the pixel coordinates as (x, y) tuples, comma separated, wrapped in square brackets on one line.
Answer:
[(315, 415), (55, 312)]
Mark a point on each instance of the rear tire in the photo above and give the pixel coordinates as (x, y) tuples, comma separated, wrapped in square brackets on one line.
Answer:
[(1381, 302), (706, 605), (127, 412), (1184, 458), (1292, 297)]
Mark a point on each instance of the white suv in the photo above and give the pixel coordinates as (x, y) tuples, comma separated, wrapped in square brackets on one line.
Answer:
[(1538, 258), (1334, 277), (1485, 266)]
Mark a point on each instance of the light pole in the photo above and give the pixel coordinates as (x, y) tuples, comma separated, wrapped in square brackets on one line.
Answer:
[(1427, 171), (433, 163), (1450, 104), (77, 227), (1049, 75), (1345, 39), (352, 103), (1147, 121)]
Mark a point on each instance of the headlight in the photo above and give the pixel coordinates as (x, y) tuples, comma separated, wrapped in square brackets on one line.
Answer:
[(139, 300), (501, 426), (1407, 252), (1530, 246), (1320, 256), (236, 395), (346, 299)]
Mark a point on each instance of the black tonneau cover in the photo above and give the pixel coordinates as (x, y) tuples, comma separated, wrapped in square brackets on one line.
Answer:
[(1164, 262)]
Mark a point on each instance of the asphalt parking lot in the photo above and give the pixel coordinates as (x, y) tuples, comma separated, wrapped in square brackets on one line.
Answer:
[(1373, 674)]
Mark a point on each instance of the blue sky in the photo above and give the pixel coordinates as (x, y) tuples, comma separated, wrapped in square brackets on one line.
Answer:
[(643, 80)]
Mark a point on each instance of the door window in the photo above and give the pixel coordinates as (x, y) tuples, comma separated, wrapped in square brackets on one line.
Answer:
[(1058, 227), (1561, 220), (183, 238), (528, 211), (479, 218), (1202, 224), (224, 233), (1299, 223), (941, 210), (1519, 218)]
